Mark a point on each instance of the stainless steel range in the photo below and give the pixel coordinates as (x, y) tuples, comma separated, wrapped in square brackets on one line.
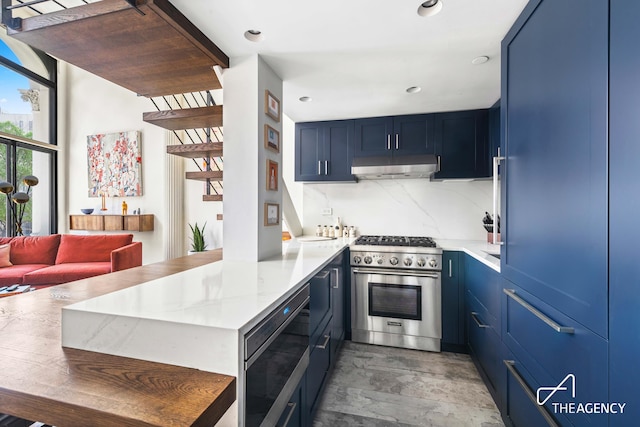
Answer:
[(396, 292)]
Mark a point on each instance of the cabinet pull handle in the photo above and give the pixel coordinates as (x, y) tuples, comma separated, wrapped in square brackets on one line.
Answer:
[(540, 315), (439, 164), (327, 338), (397, 143), (292, 409), (450, 268), (510, 364), (319, 167), (474, 316), (326, 167), (496, 164), (336, 282), (389, 142)]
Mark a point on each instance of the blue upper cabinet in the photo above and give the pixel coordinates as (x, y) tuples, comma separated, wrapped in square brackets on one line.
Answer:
[(624, 209), (394, 136), (324, 151), (413, 135), (462, 144), (373, 137), (554, 107)]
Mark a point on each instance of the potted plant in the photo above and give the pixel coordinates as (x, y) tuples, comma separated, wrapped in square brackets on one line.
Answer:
[(197, 238)]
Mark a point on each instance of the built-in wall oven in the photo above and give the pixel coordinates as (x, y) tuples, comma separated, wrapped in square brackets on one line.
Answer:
[(396, 292), (276, 358)]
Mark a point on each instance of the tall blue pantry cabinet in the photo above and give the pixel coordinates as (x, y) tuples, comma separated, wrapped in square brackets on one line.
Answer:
[(555, 261), (624, 210)]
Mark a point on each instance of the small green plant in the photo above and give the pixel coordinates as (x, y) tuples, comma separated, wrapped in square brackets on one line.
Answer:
[(197, 238)]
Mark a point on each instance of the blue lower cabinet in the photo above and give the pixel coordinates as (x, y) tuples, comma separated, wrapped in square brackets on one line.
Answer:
[(452, 302), (484, 343), (552, 347), (485, 284), (518, 396), (294, 414), (320, 303), (318, 370)]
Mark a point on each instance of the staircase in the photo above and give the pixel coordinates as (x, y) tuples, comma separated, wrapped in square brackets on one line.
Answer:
[(198, 128), (148, 47)]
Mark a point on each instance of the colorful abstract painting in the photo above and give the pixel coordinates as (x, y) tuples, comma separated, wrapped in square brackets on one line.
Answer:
[(114, 164)]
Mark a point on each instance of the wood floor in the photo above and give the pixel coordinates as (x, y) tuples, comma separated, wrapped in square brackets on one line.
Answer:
[(382, 386)]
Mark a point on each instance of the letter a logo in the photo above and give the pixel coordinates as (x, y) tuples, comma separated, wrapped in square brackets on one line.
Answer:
[(560, 387)]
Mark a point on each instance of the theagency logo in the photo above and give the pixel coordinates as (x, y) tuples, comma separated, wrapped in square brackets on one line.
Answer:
[(568, 385)]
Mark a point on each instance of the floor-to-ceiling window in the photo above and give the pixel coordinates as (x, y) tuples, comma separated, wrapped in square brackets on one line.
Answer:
[(27, 138)]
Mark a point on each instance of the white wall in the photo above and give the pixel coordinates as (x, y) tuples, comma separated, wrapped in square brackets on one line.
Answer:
[(246, 236), (89, 105)]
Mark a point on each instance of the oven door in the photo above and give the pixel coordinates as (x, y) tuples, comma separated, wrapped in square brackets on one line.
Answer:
[(402, 302)]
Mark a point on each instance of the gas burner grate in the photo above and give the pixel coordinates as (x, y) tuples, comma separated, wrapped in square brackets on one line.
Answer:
[(423, 242)]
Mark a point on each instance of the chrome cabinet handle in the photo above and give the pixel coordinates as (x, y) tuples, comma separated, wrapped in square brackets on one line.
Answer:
[(397, 144), (292, 409), (389, 142), (327, 338), (319, 167), (474, 316), (326, 167), (336, 283), (540, 315), (510, 364), (496, 164), (439, 164), (450, 268)]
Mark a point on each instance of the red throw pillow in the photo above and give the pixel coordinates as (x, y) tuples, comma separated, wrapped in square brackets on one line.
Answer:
[(34, 249), (90, 248), (5, 253)]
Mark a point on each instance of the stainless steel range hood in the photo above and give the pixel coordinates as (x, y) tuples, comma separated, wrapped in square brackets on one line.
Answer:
[(387, 167)]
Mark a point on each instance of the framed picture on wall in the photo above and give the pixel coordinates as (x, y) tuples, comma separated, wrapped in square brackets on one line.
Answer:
[(271, 214), (272, 106), (271, 139), (272, 175)]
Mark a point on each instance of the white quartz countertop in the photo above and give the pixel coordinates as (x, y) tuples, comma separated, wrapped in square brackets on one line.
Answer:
[(226, 294), (478, 249)]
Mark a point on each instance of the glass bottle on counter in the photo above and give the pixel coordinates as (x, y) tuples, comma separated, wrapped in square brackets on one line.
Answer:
[(319, 231)]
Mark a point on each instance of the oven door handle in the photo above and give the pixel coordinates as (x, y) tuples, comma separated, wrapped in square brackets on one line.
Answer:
[(394, 272)]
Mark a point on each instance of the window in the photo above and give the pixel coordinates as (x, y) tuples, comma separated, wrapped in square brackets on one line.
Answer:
[(28, 135)]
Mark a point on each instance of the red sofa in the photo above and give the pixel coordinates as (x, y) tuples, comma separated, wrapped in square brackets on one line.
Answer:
[(55, 259)]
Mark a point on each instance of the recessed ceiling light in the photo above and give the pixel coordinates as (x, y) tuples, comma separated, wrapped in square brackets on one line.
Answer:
[(413, 89), (479, 60), (430, 7), (305, 99), (254, 35)]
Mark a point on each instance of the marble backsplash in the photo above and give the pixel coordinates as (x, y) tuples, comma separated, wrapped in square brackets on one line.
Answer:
[(450, 209)]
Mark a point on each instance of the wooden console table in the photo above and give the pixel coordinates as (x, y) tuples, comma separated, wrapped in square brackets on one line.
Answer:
[(111, 222), (45, 382)]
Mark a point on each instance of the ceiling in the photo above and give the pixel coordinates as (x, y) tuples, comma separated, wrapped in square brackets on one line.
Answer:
[(355, 58)]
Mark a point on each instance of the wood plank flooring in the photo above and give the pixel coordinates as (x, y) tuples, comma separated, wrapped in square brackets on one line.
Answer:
[(382, 386)]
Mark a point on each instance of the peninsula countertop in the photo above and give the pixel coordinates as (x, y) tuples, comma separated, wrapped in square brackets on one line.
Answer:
[(198, 317), (42, 381)]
